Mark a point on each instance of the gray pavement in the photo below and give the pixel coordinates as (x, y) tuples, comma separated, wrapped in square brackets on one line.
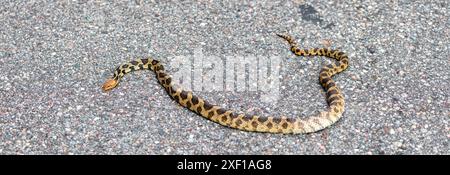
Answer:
[(54, 57)]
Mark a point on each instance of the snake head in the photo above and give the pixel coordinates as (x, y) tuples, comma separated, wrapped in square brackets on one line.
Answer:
[(109, 84)]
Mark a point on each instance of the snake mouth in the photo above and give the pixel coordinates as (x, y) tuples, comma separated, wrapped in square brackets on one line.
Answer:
[(109, 84)]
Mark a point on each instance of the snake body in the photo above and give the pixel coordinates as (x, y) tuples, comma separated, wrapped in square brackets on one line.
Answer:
[(254, 123)]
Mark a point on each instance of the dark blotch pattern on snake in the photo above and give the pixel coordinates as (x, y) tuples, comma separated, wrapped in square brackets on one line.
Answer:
[(247, 122)]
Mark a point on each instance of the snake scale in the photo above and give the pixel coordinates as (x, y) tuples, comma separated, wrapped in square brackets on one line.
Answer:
[(241, 121)]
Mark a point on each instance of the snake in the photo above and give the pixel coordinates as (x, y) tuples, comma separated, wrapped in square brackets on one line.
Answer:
[(247, 122)]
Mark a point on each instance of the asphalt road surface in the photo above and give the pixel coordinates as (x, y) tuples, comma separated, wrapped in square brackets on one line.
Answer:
[(55, 56)]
